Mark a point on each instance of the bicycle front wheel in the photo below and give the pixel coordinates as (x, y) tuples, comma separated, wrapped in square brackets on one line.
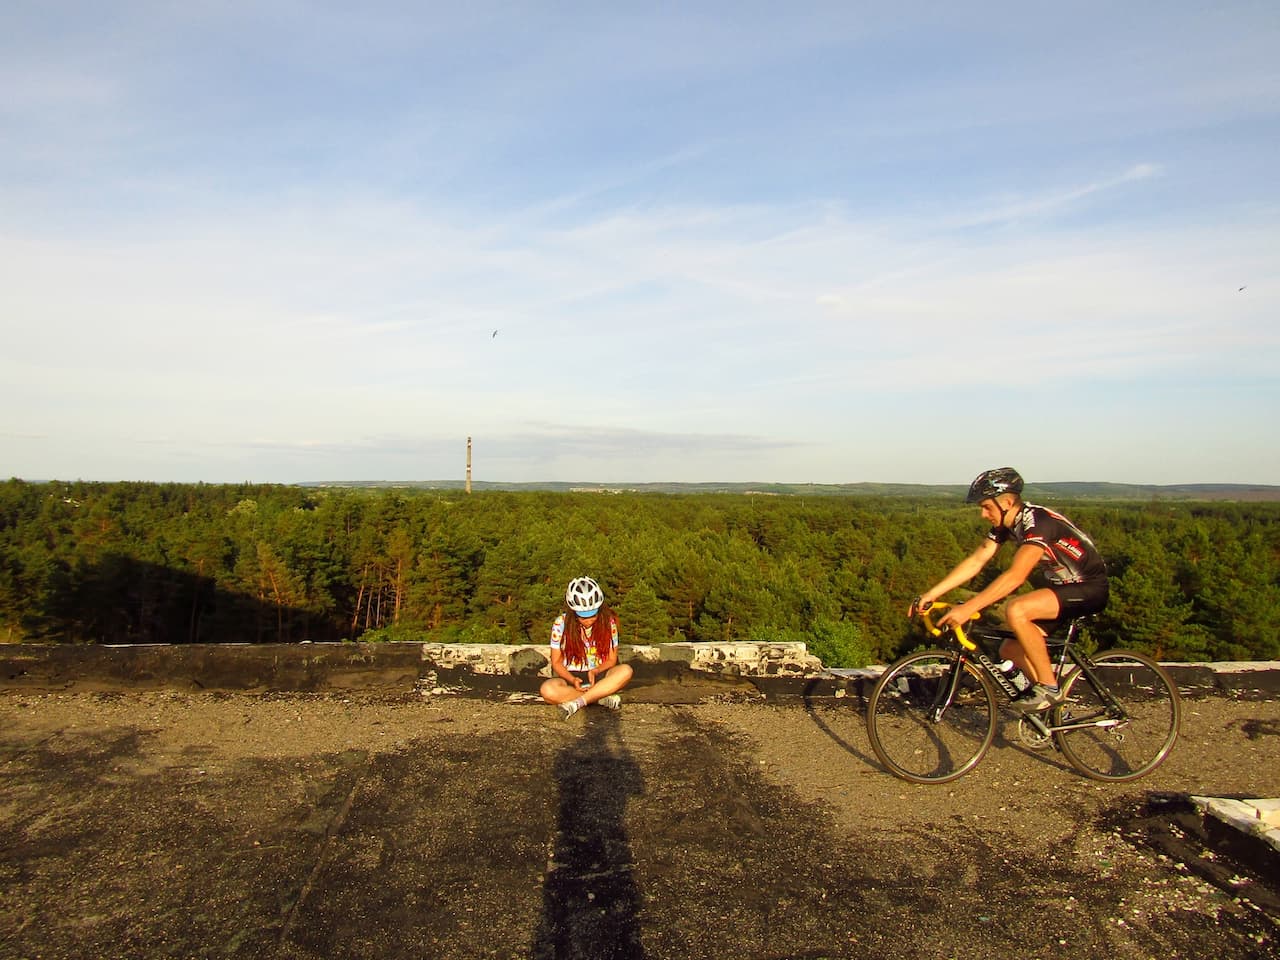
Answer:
[(1107, 745), (927, 723)]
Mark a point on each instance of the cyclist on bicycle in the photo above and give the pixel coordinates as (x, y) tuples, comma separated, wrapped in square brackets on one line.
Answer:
[(1049, 545)]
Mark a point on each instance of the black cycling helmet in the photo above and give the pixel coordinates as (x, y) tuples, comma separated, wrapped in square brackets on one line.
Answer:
[(992, 483)]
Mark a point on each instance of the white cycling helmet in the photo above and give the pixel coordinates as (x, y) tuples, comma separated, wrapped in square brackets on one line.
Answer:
[(584, 596)]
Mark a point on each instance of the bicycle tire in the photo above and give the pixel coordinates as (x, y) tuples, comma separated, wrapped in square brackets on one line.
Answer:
[(1135, 747), (905, 737)]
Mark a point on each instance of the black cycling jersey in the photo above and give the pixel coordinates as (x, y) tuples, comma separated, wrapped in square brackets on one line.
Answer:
[(1069, 555)]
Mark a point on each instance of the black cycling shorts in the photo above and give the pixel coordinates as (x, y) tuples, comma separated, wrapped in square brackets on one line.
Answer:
[(1079, 599)]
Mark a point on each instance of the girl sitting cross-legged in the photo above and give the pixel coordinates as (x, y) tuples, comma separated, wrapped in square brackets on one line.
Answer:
[(584, 652)]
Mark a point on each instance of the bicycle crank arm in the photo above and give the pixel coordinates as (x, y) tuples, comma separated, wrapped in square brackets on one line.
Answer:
[(1043, 728)]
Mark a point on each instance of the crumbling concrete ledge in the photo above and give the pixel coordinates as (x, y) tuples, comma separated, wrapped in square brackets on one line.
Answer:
[(249, 667), (688, 672), (664, 673), (1258, 818), (667, 673)]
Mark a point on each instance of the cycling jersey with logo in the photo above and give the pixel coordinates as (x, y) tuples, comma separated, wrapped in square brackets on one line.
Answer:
[(594, 657), (1069, 555)]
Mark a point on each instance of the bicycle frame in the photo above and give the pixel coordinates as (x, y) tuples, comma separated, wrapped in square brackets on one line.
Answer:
[(969, 651), (934, 713)]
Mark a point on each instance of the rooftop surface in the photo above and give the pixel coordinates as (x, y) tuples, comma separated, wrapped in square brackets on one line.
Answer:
[(151, 823)]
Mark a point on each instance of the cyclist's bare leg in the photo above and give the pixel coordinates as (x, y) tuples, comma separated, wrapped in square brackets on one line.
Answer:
[(1022, 612)]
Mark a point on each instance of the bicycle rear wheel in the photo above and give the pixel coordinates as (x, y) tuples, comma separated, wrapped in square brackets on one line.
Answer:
[(916, 733), (1109, 747)]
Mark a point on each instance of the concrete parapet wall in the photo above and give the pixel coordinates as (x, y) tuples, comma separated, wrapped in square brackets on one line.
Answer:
[(676, 672), (666, 673), (730, 659), (669, 673), (1256, 818), (742, 659), (1245, 680), (271, 666), (488, 659)]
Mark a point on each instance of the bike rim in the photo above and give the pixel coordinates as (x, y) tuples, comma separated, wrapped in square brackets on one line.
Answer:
[(906, 736), (1110, 748)]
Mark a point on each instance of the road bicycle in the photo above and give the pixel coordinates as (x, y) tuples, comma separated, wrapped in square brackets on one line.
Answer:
[(933, 714)]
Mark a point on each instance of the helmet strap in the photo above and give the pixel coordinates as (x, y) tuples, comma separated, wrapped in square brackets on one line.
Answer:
[(1004, 512)]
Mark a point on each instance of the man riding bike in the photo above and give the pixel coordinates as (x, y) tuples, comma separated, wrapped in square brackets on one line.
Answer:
[(1049, 545)]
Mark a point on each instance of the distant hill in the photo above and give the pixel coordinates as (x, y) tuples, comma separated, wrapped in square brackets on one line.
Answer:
[(1045, 491), (1176, 491)]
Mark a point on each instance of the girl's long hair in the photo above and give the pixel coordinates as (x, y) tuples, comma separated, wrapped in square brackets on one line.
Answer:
[(574, 642)]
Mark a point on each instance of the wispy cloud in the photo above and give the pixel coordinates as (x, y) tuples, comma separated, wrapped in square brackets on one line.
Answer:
[(1016, 209), (703, 239)]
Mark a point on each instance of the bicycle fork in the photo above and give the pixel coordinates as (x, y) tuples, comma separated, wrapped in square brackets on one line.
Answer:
[(946, 694)]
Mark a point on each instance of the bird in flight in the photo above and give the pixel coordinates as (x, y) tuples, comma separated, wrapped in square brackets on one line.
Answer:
[(1236, 292), (495, 333)]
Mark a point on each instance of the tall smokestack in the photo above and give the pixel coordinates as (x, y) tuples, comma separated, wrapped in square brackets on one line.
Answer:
[(468, 464)]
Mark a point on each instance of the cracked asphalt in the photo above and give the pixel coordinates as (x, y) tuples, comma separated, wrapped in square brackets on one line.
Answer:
[(166, 824)]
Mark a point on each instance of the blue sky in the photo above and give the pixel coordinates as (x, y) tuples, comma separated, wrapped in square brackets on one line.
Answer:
[(814, 242)]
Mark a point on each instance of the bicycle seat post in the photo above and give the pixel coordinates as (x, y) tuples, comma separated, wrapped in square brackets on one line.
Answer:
[(1064, 637)]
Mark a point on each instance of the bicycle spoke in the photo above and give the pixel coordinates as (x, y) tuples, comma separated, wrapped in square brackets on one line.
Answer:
[(1128, 737), (916, 732)]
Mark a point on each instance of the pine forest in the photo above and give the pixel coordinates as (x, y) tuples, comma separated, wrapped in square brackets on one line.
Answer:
[(121, 563)]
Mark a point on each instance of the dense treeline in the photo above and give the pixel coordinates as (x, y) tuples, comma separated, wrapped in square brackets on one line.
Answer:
[(138, 563)]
